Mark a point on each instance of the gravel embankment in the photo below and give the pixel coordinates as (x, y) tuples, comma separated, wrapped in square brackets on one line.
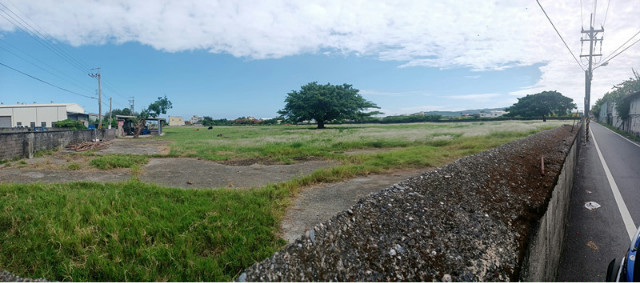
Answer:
[(467, 221)]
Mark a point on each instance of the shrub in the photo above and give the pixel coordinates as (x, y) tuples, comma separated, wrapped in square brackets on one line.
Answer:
[(70, 124)]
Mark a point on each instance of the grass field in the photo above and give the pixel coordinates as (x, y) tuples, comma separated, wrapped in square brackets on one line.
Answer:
[(133, 231)]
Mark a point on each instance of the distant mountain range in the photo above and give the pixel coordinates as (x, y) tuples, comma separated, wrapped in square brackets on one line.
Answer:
[(463, 112)]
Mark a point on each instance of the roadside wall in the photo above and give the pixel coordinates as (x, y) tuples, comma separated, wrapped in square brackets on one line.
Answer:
[(542, 258), (25, 144)]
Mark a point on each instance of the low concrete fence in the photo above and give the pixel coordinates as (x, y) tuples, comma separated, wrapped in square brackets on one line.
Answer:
[(25, 144), (542, 258)]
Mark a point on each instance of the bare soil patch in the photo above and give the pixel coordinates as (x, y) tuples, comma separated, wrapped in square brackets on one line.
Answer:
[(137, 146), (319, 203), (194, 173)]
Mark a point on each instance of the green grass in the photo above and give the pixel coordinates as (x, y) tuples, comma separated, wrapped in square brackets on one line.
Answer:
[(118, 161), (74, 166), (287, 143), (134, 231)]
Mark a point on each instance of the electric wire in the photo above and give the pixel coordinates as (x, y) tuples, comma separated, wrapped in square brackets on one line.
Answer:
[(44, 69), (616, 50), (43, 81), (606, 13), (77, 63), (43, 39), (614, 56), (557, 32)]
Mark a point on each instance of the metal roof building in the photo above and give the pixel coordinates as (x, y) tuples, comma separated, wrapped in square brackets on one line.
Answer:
[(39, 115)]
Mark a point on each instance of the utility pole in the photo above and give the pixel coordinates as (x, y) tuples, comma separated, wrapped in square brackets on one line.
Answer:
[(133, 103), (592, 38), (97, 75), (110, 114)]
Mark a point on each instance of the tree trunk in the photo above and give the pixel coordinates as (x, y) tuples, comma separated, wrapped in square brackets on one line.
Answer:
[(139, 127), (320, 124)]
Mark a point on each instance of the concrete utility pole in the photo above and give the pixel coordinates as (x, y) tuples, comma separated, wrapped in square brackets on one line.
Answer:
[(110, 114), (588, 73), (133, 103), (97, 75)]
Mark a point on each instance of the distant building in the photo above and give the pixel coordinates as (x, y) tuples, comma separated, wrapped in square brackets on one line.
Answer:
[(40, 115), (176, 121), (195, 119), (493, 113)]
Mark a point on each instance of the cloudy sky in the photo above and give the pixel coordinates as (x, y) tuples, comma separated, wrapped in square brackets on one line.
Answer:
[(228, 59)]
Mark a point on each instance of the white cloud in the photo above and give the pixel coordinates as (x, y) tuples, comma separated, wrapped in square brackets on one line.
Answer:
[(480, 35)]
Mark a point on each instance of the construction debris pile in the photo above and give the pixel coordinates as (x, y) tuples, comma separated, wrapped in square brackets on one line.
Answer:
[(467, 221), (84, 146)]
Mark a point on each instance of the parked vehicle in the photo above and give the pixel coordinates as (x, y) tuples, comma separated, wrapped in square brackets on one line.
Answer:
[(624, 269)]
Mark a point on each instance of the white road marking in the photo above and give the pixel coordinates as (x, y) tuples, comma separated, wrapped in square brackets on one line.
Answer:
[(624, 212)]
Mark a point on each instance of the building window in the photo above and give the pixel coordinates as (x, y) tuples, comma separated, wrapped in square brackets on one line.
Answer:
[(33, 124), (44, 124), (19, 124)]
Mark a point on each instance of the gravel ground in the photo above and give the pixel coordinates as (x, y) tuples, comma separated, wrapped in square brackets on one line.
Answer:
[(467, 221), (6, 276)]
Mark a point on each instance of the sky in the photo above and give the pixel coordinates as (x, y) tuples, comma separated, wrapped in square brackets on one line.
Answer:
[(230, 59)]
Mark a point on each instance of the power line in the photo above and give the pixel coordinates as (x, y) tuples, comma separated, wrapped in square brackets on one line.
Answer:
[(606, 13), (557, 32), (43, 81), (614, 56), (616, 50), (32, 62), (23, 25)]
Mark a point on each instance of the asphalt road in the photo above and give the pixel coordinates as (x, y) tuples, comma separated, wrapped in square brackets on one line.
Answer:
[(594, 237)]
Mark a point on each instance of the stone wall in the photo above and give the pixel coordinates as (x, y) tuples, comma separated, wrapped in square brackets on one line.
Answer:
[(25, 144)]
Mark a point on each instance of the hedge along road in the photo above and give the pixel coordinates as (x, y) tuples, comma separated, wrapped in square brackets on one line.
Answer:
[(597, 235)]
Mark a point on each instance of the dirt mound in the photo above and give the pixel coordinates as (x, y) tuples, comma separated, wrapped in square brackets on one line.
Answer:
[(467, 221)]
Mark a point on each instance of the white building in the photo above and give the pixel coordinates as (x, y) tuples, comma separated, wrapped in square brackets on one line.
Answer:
[(195, 119), (493, 113), (40, 115), (176, 121)]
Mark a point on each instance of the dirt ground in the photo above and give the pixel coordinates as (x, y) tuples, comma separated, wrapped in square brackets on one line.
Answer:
[(313, 205), (319, 203)]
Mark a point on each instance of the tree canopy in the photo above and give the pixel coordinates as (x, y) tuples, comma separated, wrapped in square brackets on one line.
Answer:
[(618, 95), (542, 105), (154, 110), (325, 103)]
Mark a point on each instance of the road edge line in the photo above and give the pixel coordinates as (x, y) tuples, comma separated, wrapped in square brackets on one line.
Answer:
[(622, 207), (630, 141)]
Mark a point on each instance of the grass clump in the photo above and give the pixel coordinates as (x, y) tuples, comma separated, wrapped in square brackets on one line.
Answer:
[(134, 231), (119, 161), (74, 166)]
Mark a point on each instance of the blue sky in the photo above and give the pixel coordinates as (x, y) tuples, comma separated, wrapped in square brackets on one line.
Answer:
[(241, 58)]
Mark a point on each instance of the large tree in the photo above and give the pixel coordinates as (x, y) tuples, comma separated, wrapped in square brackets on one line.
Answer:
[(325, 103), (542, 105)]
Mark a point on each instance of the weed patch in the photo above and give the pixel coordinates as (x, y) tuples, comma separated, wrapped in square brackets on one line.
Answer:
[(118, 161)]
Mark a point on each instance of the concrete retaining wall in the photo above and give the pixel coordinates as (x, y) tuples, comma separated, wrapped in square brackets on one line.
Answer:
[(542, 258), (25, 144)]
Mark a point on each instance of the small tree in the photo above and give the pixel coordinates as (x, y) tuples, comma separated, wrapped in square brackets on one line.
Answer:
[(156, 108), (542, 105), (207, 121), (325, 103)]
